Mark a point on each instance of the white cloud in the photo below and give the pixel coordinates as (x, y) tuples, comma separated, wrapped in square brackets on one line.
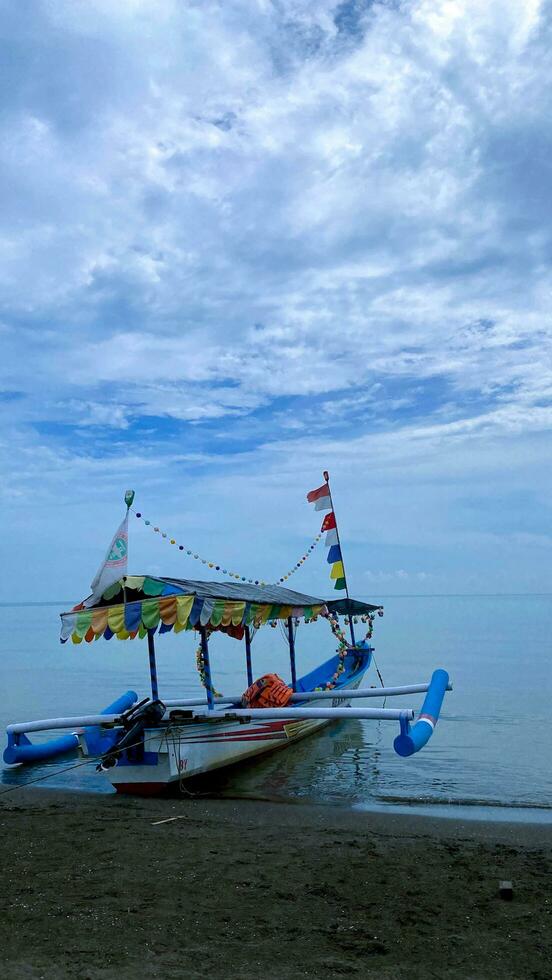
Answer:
[(313, 230)]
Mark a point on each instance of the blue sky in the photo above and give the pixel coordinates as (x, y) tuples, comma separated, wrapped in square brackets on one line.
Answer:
[(244, 241)]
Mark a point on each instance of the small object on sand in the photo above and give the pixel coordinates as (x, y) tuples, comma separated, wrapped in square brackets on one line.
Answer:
[(506, 890), (166, 820)]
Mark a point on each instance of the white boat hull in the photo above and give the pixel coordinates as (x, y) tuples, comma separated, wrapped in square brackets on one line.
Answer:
[(177, 752)]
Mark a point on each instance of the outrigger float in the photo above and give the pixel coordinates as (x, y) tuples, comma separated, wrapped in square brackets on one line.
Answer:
[(145, 746)]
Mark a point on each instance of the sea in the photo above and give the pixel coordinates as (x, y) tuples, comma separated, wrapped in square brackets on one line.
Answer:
[(489, 758)]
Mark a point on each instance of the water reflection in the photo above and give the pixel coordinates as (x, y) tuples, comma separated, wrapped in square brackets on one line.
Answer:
[(325, 766)]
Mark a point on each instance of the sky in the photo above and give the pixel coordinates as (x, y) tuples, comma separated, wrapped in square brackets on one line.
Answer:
[(245, 241)]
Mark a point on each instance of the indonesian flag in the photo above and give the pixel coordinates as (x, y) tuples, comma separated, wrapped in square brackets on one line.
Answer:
[(320, 498), (114, 566)]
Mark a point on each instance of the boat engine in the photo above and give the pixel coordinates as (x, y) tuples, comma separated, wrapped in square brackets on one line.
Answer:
[(146, 714)]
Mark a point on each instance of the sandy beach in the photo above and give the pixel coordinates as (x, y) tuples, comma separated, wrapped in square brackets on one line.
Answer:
[(96, 887)]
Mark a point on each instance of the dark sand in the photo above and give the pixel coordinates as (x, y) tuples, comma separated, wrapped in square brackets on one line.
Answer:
[(91, 889)]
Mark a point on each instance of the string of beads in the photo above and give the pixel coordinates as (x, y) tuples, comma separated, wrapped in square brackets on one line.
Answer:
[(217, 567)]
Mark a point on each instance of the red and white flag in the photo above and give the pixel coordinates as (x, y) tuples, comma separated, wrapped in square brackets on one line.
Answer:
[(320, 498)]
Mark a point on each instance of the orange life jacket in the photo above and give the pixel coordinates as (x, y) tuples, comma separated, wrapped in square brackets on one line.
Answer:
[(268, 691)]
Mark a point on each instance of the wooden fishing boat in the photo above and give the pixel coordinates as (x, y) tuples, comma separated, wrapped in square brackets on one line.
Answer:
[(146, 746)]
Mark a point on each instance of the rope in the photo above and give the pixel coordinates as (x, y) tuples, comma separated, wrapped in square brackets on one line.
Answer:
[(182, 788), (380, 679), (77, 765), (49, 775), (284, 629), (97, 758)]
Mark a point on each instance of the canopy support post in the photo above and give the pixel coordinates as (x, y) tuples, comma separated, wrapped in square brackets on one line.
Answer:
[(152, 666), (292, 653), (207, 667), (248, 656)]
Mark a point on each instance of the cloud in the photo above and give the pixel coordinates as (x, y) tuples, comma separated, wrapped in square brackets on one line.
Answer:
[(254, 237)]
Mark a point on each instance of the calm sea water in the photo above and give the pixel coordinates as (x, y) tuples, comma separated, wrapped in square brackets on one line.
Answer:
[(490, 752)]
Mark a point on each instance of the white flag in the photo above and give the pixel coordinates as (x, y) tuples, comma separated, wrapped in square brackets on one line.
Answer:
[(115, 565)]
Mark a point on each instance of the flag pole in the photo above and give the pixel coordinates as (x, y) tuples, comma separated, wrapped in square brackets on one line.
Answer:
[(326, 476), (129, 498)]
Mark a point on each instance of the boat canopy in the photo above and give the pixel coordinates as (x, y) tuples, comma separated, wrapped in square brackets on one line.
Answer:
[(138, 604), (354, 607)]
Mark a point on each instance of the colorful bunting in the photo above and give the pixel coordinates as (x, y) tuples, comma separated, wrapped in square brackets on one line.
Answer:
[(126, 620), (190, 553), (322, 500)]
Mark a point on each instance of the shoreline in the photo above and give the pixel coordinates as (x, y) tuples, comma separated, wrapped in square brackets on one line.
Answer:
[(380, 818), (476, 811), (105, 886)]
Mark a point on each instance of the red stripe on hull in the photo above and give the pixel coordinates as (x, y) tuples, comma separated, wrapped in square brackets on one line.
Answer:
[(274, 729)]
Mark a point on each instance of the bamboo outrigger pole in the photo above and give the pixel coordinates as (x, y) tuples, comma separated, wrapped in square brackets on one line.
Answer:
[(326, 476)]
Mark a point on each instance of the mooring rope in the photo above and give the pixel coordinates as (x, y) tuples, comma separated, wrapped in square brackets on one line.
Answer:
[(77, 765), (98, 758)]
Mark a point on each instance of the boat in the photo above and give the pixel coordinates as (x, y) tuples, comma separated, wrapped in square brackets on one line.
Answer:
[(151, 745)]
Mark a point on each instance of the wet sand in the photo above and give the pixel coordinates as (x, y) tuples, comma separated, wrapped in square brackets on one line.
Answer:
[(95, 888)]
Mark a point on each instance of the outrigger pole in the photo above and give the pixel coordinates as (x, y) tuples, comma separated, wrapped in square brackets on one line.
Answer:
[(326, 476)]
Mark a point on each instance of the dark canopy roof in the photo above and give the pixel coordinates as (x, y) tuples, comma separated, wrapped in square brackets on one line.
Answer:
[(343, 606), (143, 586), (242, 592)]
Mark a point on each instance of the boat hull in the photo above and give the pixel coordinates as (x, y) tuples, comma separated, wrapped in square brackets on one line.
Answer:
[(177, 751), (183, 753)]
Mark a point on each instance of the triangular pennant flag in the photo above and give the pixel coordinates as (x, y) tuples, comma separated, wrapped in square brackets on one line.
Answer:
[(329, 522), (115, 564), (337, 570), (334, 554), (340, 584), (331, 538)]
